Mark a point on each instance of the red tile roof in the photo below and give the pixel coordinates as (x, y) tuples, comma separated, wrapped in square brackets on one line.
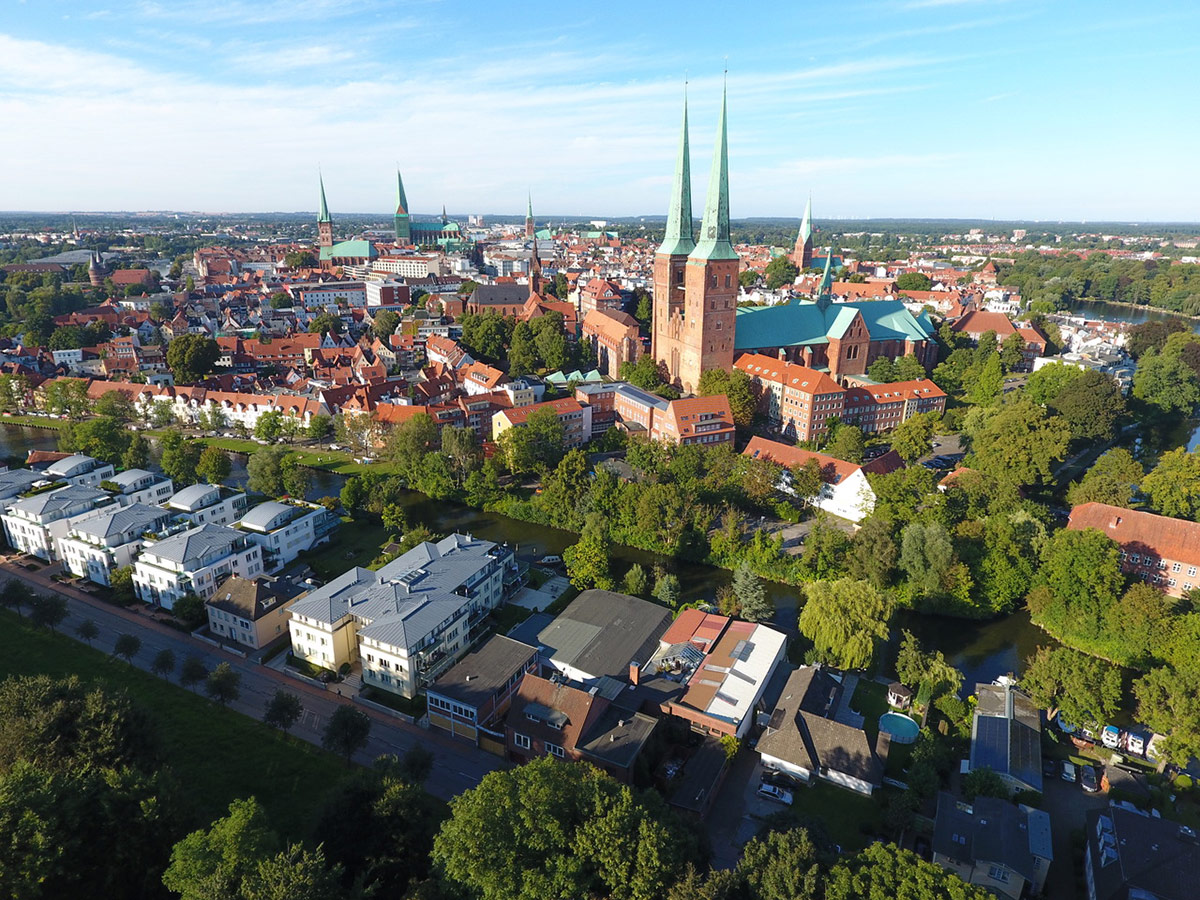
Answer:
[(810, 381), (833, 470), (1175, 539)]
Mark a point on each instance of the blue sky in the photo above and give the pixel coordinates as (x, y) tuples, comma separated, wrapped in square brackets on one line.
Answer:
[(1065, 109)]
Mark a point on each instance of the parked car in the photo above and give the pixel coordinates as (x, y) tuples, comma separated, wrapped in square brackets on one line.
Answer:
[(550, 561), (1111, 737), (1135, 743), (1049, 768), (1068, 772), (776, 793), (1088, 779), (781, 779)]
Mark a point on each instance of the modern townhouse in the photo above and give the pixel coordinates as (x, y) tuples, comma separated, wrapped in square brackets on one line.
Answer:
[(208, 504), (79, 470), (35, 524), (286, 529), (193, 562), (96, 545), (139, 486), (15, 482), (409, 621)]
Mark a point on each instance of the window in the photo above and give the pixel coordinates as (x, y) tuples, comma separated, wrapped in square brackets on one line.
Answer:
[(555, 750), (521, 741), (1176, 567), (998, 873)]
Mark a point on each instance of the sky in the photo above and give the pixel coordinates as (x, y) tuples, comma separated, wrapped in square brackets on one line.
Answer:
[(1007, 109)]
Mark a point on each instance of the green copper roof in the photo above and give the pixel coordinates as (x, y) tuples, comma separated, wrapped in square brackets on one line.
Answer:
[(401, 200), (678, 238), (804, 322), (806, 224), (714, 232), (825, 291), (529, 207), (323, 214), (354, 249)]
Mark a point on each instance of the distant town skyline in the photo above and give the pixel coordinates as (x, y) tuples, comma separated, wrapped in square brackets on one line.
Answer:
[(964, 109)]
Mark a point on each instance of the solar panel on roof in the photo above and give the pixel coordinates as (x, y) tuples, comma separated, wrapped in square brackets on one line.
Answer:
[(990, 749)]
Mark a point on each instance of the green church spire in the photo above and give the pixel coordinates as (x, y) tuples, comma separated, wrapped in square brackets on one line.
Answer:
[(825, 291), (678, 239), (806, 224), (323, 214), (400, 221), (714, 232), (529, 207)]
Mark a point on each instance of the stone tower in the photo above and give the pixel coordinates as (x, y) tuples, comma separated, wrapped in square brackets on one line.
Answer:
[(670, 260), (324, 222), (401, 220), (710, 284)]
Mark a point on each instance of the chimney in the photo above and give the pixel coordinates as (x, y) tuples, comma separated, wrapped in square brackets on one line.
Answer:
[(633, 672)]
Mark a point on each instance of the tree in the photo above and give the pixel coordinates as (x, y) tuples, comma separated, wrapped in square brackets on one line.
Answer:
[(914, 666), (1091, 405), (667, 590), (1021, 443), (1012, 352), (988, 384), (847, 444), (191, 357), (283, 711), (844, 619), (807, 480), (780, 272), (873, 552), (636, 583), (1168, 703), (296, 478), (214, 465), (137, 454), (538, 445), (299, 259), (913, 438), (587, 563), (319, 428), (48, 610), (164, 663), (885, 871), (882, 370), (326, 323), (1083, 688), (1112, 479), (1081, 577), (88, 630), (386, 323), (116, 405), (1044, 385), (1152, 335), (269, 426), (546, 829), (121, 583), (346, 732), (102, 438), (913, 281), (127, 646), (781, 865), (212, 863), (461, 446), (926, 556), (909, 368), (223, 684), (192, 672), (190, 611), (1173, 485), (180, 457), (737, 388), (751, 593), (1164, 380), (265, 472)]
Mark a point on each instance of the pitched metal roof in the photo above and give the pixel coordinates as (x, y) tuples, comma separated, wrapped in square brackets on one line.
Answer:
[(194, 497), (133, 519), (195, 543), (804, 322)]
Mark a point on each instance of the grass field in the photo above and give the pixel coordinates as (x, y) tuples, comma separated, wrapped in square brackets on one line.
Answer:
[(218, 755), (355, 543), (338, 461), (33, 421), (870, 701), (847, 817)]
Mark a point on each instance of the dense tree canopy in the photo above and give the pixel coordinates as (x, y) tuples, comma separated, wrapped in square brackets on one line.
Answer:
[(844, 619), (191, 356), (1084, 689)]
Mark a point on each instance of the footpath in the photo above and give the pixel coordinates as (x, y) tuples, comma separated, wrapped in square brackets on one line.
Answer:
[(457, 766)]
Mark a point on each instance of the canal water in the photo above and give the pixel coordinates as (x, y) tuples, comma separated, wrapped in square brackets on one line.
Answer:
[(981, 650), (1123, 312)]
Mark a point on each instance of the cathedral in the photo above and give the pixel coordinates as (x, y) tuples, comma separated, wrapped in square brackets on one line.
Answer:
[(698, 325)]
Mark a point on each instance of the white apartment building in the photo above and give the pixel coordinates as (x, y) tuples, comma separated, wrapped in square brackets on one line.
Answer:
[(193, 562), (208, 504), (139, 486), (15, 482), (35, 524), (96, 545), (409, 621), (285, 530), (79, 470), (410, 266), (353, 293)]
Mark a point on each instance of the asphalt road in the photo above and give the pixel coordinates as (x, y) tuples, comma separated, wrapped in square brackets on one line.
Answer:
[(457, 765)]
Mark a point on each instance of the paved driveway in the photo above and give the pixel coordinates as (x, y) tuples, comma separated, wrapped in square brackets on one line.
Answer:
[(457, 767), (1067, 805)]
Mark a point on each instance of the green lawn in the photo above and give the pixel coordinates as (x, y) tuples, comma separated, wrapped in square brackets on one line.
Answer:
[(849, 818), (508, 616), (34, 421), (339, 461), (870, 701), (355, 543), (218, 755)]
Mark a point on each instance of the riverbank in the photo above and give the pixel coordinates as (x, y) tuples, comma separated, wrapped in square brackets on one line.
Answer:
[(34, 422)]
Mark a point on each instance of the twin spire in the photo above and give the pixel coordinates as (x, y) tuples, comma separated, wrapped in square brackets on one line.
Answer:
[(323, 213), (714, 240)]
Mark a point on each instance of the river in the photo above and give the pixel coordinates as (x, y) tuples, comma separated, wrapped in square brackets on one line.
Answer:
[(1107, 311), (981, 650)]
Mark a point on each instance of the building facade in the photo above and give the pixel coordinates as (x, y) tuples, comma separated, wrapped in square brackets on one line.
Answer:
[(194, 561)]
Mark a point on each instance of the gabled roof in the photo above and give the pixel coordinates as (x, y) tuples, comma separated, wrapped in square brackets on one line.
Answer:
[(992, 830), (1006, 734), (1175, 539), (601, 632), (253, 598), (195, 543), (52, 503), (803, 322), (137, 517), (833, 470), (979, 321), (790, 375)]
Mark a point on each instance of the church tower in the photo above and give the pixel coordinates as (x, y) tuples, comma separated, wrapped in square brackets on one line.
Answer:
[(324, 222), (535, 272), (530, 231), (669, 262), (401, 221), (710, 279), (802, 255), (825, 289)]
